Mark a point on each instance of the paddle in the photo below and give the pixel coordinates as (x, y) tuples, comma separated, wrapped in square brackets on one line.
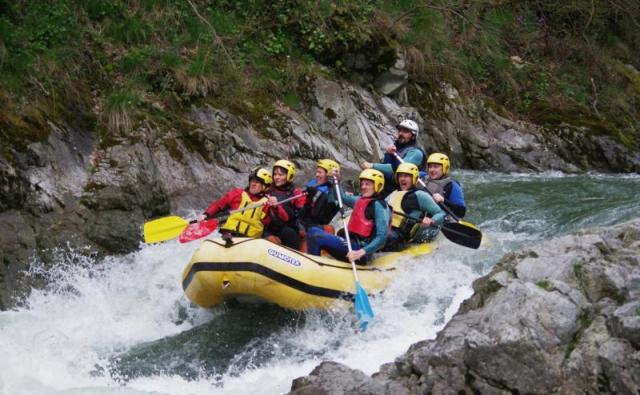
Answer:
[(168, 228), (199, 230), (364, 312), (460, 232), (456, 232)]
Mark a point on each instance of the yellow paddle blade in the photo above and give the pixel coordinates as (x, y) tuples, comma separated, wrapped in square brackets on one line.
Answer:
[(469, 224), (163, 229)]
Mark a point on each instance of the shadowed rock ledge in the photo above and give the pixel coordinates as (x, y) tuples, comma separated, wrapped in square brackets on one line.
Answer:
[(70, 192), (562, 317)]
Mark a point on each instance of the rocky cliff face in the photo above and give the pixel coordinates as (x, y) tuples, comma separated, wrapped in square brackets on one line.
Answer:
[(68, 192), (561, 317)]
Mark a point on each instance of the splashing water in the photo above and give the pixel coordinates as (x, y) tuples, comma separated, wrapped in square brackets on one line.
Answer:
[(122, 325)]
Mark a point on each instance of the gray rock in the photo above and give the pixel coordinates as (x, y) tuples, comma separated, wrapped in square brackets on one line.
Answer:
[(533, 325), (17, 250), (625, 323), (345, 381), (66, 187), (392, 81)]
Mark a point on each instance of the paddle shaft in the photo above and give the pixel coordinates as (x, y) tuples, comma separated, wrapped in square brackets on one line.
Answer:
[(346, 231), (444, 206), (468, 235), (252, 206)]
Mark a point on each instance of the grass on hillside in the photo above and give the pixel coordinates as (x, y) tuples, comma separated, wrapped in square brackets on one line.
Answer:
[(121, 63)]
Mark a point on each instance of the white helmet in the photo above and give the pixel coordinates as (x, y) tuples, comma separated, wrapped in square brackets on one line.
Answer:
[(409, 125)]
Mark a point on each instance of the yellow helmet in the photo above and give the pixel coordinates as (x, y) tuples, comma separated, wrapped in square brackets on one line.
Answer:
[(441, 159), (261, 174), (373, 175), (328, 165), (408, 168), (288, 166)]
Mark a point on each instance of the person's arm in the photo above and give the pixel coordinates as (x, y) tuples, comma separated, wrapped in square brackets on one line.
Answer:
[(385, 168), (299, 202), (414, 156), (280, 211), (454, 199), (430, 207), (348, 200), (223, 203), (382, 225)]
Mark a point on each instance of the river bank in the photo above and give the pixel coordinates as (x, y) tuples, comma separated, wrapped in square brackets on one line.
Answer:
[(69, 335), (68, 192), (559, 317), (154, 120)]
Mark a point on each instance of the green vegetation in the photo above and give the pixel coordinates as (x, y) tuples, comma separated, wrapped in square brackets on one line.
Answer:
[(584, 322), (545, 284), (550, 62)]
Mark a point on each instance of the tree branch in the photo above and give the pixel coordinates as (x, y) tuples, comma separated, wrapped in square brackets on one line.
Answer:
[(594, 103), (216, 38)]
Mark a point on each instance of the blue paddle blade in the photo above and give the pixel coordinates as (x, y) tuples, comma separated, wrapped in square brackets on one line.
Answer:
[(364, 312)]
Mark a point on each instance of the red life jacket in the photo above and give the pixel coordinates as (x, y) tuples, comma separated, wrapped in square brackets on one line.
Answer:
[(359, 223)]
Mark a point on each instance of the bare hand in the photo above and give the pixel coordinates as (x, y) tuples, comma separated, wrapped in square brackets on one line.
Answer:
[(391, 149), (438, 198), (426, 221), (272, 201), (335, 173), (201, 217), (355, 255), (366, 165)]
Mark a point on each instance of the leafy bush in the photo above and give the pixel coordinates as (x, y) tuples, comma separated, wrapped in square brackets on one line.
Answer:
[(578, 57)]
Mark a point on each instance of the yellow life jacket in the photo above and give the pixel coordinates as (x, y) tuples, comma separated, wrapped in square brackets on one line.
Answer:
[(395, 202), (247, 222), (399, 220)]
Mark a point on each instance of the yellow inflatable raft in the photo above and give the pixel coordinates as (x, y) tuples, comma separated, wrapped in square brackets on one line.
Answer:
[(280, 275)]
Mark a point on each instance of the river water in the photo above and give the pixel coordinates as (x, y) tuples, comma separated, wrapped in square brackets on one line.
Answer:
[(122, 325)]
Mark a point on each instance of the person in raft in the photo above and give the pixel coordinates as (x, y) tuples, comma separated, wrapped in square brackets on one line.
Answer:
[(321, 204), (405, 147), (283, 229), (444, 189), (413, 209), (367, 227), (250, 222)]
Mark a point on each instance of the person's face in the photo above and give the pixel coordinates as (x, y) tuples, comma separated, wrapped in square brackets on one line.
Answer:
[(405, 181), (321, 176), (435, 171), (366, 188), (255, 186), (404, 135), (279, 176)]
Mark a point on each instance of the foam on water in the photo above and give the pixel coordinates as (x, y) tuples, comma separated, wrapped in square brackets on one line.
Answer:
[(64, 339)]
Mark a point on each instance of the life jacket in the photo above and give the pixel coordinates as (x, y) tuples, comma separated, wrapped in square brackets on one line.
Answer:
[(438, 186), (362, 222), (247, 222), (404, 202), (276, 224), (318, 209), (389, 182)]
